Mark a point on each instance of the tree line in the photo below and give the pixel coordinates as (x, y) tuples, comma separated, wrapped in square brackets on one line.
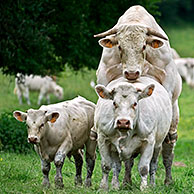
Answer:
[(42, 36)]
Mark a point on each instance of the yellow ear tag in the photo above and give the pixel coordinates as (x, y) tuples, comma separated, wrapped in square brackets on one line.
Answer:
[(108, 44), (53, 120), (150, 91), (101, 94)]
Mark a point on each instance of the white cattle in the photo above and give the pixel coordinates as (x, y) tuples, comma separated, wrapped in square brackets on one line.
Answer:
[(185, 68), (133, 118), (45, 85), (138, 46), (61, 130)]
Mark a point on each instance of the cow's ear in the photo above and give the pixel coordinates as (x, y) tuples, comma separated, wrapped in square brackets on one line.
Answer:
[(154, 43), (147, 92), (108, 42), (20, 116), (103, 92), (52, 117)]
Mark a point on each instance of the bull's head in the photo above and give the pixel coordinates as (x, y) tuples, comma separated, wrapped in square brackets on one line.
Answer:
[(125, 103), (36, 121), (132, 41)]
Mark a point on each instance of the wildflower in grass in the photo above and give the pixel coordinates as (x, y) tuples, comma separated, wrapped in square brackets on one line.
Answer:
[(1, 159)]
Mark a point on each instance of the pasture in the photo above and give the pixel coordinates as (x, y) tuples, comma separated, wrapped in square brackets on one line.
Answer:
[(21, 173)]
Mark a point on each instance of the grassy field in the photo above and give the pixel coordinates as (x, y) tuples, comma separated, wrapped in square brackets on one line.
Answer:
[(21, 173)]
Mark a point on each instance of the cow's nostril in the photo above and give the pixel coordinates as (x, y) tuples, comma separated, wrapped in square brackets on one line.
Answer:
[(126, 73), (128, 122), (137, 73), (118, 122)]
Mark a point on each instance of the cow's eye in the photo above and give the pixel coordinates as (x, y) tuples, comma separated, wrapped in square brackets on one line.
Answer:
[(134, 105), (144, 47), (115, 104), (42, 125)]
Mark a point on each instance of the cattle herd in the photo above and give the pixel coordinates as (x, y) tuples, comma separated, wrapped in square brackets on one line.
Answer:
[(137, 113)]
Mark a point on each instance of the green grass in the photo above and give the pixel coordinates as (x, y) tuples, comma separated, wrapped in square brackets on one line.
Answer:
[(22, 173), (182, 39)]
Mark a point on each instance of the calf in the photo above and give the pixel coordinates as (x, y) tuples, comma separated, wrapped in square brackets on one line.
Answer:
[(61, 130), (133, 118), (45, 85)]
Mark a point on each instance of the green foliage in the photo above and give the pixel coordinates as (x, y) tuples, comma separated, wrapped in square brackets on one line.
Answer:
[(39, 37), (13, 135), (176, 11)]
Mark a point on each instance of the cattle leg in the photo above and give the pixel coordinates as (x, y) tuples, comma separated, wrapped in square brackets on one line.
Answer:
[(172, 134), (59, 161), (48, 98), (116, 166), (144, 163), (154, 165), (45, 166), (78, 164), (90, 159), (106, 160), (128, 167), (19, 95), (167, 155), (26, 95), (40, 97)]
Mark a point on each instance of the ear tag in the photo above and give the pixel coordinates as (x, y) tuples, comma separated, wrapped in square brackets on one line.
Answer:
[(150, 91), (108, 44), (53, 120), (101, 94)]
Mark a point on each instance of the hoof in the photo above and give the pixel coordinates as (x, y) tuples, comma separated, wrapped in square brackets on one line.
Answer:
[(115, 184), (78, 181), (104, 186), (88, 182), (59, 182), (127, 181), (168, 182), (45, 184)]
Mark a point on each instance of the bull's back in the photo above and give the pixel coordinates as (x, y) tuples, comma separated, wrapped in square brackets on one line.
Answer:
[(138, 15)]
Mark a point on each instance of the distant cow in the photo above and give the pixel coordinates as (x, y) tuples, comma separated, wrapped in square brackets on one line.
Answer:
[(185, 68), (45, 85), (61, 130), (133, 118)]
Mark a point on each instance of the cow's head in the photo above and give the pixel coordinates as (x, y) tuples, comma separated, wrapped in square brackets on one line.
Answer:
[(125, 99), (36, 121), (58, 92), (132, 41)]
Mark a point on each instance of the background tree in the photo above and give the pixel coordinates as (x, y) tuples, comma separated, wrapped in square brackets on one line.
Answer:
[(41, 36)]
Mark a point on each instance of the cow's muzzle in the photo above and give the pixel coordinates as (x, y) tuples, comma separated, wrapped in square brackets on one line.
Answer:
[(131, 75), (123, 125), (33, 140)]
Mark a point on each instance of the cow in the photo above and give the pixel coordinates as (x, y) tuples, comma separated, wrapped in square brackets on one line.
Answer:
[(60, 130), (137, 46), (133, 118), (45, 85), (185, 68)]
